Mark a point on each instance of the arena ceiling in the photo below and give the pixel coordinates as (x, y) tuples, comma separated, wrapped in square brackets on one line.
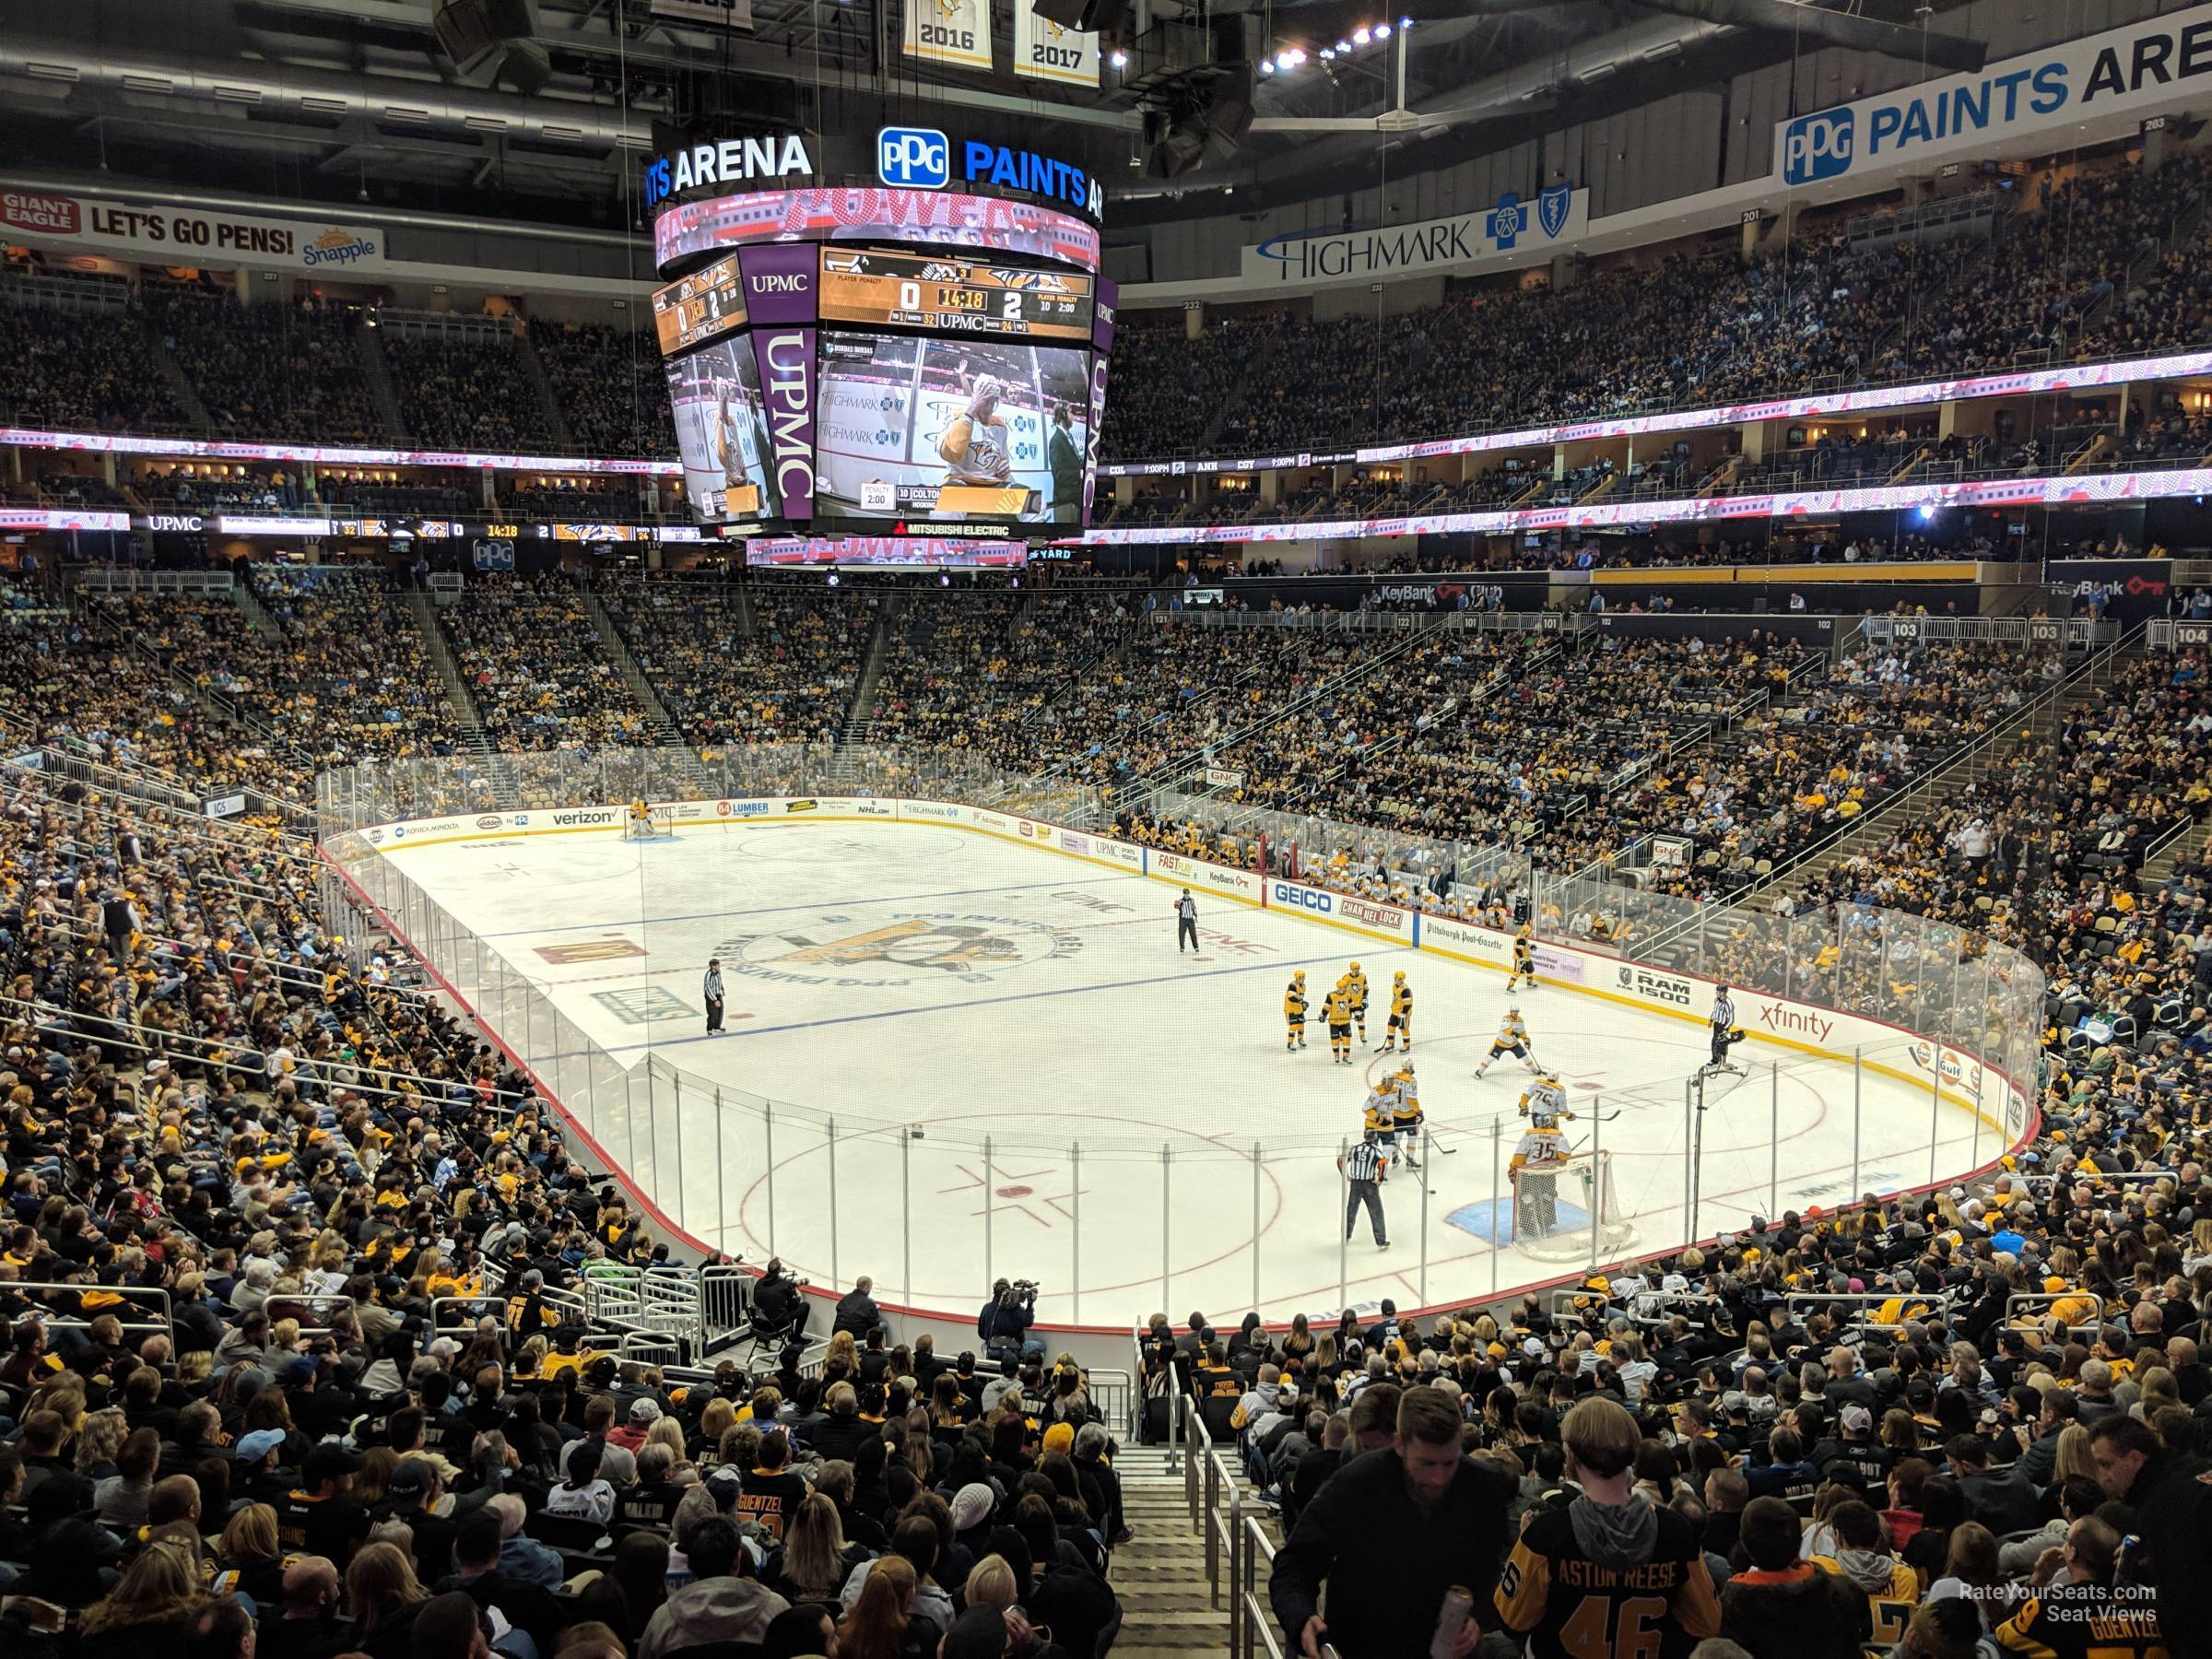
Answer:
[(354, 102)]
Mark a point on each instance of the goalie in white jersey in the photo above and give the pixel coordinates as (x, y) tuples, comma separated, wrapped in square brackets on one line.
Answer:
[(1537, 1163)]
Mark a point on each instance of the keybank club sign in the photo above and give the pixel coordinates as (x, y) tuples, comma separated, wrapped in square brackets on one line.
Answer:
[(2139, 67), (1512, 231)]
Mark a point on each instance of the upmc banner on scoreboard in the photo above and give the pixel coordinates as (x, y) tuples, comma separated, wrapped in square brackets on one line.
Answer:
[(188, 235), (780, 298)]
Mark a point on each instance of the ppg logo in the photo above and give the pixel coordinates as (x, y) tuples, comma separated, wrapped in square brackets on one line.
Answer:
[(1817, 146), (914, 157), (1305, 897)]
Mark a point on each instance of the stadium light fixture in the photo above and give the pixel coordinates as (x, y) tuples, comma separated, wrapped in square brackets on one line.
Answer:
[(1120, 59), (1266, 65), (1361, 36), (1328, 54), (1381, 31)]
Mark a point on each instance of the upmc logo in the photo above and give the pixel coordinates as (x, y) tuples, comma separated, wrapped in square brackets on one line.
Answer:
[(1304, 898), (1817, 146), (914, 158)]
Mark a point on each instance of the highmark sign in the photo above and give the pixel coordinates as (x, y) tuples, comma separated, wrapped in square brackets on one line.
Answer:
[(1511, 230), (2123, 70)]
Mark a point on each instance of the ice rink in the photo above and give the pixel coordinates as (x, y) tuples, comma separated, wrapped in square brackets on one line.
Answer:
[(1149, 1139)]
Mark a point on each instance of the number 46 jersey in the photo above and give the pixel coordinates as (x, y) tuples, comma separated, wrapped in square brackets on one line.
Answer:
[(1573, 1605)]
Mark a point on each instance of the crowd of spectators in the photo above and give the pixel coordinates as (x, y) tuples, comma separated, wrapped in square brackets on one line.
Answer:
[(467, 392), (269, 370), (775, 664), (1700, 327), (611, 386), (531, 658), (81, 370)]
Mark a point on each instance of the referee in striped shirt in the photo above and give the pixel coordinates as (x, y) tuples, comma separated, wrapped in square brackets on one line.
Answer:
[(1363, 1168)]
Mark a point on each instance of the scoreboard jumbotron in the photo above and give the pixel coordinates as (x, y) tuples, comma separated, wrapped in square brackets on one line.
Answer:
[(907, 290)]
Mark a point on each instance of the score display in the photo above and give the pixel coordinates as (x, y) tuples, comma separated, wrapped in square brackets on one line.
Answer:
[(701, 307), (953, 296)]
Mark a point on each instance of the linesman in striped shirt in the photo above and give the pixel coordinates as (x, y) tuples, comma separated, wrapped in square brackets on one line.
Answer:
[(1365, 1169)]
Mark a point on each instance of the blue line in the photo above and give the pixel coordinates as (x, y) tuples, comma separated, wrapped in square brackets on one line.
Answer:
[(985, 1002), (514, 933)]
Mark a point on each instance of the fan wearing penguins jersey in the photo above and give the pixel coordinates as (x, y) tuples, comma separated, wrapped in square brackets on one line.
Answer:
[(974, 446)]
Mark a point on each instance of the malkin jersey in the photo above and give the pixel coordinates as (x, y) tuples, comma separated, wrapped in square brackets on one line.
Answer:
[(1571, 1607)]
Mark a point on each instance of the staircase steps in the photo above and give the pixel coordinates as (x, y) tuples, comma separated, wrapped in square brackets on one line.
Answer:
[(377, 373), (665, 732), (188, 394), (425, 612), (860, 714), (534, 371), (1168, 1610)]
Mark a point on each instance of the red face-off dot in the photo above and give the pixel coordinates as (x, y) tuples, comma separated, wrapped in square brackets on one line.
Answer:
[(1014, 1192)]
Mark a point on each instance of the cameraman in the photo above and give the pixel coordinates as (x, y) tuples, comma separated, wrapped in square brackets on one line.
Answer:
[(777, 1304), (1004, 1325)]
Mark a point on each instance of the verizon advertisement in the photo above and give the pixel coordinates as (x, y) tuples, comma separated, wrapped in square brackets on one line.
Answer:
[(190, 235)]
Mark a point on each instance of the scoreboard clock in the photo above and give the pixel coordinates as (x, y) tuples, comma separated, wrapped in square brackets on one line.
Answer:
[(953, 296)]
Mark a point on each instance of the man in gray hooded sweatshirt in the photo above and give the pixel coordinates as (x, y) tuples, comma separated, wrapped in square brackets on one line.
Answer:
[(717, 1606), (1607, 1560)]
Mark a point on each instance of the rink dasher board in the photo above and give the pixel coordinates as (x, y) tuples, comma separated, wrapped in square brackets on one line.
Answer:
[(1950, 1073)]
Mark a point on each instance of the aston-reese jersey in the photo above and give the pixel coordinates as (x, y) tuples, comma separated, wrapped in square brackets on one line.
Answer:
[(1570, 1606)]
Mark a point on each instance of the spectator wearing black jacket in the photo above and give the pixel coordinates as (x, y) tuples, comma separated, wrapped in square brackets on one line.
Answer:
[(1389, 1534), (1005, 1323), (856, 1310)]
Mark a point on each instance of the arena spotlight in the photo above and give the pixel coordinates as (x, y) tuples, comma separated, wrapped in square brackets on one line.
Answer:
[(1120, 59), (1361, 36), (1381, 31), (1927, 511), (1266, 65), (1343, 47), (1328, 54)]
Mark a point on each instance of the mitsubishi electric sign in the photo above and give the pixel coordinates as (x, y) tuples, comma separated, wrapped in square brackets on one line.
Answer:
[(2140, 68), (1512, 231)]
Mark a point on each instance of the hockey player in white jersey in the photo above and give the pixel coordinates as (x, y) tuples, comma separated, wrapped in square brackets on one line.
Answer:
[(1512, 1039), (1537, 1163), (1545, 1103)]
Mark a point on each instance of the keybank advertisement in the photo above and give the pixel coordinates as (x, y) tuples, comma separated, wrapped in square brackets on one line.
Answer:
[(1509, 231), (2140, 66)]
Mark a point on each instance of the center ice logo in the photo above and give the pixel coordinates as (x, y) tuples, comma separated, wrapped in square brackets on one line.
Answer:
[(909, 948)]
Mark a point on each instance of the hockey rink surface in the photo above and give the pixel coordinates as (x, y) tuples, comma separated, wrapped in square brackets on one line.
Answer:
[(928, 987)]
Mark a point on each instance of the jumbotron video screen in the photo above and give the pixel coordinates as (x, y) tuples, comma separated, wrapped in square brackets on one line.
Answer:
[(951, 431), (909, 387)]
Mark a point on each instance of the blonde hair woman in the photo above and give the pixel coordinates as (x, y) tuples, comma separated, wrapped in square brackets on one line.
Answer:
[(813, 1565), (98, 1441), (159, 1596)]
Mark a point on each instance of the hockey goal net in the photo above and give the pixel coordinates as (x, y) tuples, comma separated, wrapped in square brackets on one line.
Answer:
[(1567, 1212), (657, 826)]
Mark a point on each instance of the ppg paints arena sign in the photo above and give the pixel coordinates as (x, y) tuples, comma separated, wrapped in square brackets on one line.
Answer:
[(2139, 67)]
